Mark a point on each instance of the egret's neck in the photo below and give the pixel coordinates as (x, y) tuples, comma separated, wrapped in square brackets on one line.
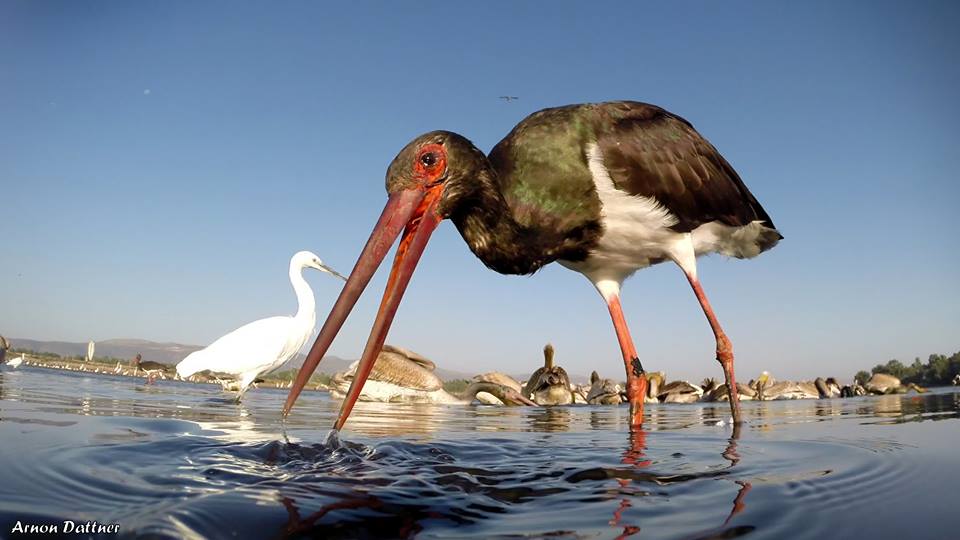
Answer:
[(307, 308)]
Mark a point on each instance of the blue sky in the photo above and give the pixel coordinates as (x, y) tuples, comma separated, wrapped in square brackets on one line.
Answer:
[(160, 163)]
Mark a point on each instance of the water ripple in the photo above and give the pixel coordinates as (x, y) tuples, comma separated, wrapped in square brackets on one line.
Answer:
[(179, 461)]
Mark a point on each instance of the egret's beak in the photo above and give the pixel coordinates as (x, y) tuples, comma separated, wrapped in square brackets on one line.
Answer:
[(413, 210), (324, 268)]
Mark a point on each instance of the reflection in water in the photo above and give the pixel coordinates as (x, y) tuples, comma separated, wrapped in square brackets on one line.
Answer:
[(633, 456), (74, 447), (550, 419)]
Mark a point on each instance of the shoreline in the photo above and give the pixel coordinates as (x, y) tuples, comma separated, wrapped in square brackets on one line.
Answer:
[(120, 369)]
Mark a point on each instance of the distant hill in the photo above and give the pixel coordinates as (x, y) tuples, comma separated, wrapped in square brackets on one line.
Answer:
[(167, 353), (172, 353)]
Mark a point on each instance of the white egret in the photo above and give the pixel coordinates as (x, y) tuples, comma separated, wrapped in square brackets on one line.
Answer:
[(263, 346), (15, 362)]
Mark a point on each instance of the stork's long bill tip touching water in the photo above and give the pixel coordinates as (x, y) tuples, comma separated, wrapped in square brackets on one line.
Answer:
[(604, 189)]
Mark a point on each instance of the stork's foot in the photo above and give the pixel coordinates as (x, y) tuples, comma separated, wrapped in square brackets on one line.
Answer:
[(636, 390), (725, 357)]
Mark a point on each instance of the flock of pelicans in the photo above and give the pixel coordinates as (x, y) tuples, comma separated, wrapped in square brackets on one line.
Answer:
[(400, 375), (403, 376)]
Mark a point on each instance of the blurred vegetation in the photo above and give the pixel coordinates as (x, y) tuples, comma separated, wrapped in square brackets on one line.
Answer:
[(289, 375), (938, 371)]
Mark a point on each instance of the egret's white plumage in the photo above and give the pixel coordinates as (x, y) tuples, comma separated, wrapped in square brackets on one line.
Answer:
[(265, 345), (15, 362)]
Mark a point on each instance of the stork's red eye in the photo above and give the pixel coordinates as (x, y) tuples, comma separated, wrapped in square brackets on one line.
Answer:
[(428, 159)]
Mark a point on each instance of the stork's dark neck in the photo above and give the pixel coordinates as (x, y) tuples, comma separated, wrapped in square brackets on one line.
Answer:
[(487, 225)]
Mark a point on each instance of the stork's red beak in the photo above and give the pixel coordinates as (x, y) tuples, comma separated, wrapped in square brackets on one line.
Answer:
[(415, 211)]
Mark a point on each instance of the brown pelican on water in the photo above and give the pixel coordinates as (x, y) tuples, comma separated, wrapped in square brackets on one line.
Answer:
[(604, 391), (499, 378), (882, 383), (827, 388), (655, 380), (403, 376), (856, 389), (549, 385), (769, 389), (680, 392), (714, 391)]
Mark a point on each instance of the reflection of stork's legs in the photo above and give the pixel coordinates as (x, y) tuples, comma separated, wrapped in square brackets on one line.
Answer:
[(633, 455), (296, 524), (731, 455), (738, 504)]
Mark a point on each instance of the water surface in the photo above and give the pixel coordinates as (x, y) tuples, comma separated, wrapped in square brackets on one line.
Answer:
[(181, 460)]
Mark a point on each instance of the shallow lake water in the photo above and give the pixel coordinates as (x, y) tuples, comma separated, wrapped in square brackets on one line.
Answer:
[(183, 461)]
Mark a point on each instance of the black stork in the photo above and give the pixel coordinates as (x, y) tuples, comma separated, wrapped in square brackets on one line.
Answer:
[(604, 189), (152, 369)]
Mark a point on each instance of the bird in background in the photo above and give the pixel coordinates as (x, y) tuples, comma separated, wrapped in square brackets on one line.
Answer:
[(152, 369), (604, 189), (263, 346)]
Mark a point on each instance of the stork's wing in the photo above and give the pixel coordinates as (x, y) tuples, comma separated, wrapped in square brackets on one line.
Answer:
[(653, 153)]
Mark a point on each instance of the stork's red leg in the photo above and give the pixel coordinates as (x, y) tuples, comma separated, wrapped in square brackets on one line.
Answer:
[(636, 381), (724, 347)]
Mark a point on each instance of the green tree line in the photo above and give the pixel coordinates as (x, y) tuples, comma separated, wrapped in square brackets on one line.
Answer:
[(938, 371)]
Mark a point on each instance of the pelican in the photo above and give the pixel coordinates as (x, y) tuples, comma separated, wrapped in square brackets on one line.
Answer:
[(403, 376), (713, 391), (496, 377), (856, 389), (655, 381), (882, 383), (549, 385), (680, 392), (263, 346), (769, 389), (827, 388), (604, 391)]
